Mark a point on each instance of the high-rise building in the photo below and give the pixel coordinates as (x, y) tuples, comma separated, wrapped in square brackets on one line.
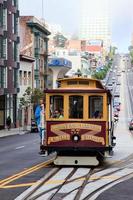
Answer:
[(95, 21), (9, 60)]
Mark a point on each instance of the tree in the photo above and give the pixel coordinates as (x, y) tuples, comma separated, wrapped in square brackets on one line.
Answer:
[(36, 96), (112, 52), (59, 40), (29, 99), (130, 48), (25, 103), (26, 99)]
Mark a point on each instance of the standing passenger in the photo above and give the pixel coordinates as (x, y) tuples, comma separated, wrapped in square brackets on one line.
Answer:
[(39, 117)]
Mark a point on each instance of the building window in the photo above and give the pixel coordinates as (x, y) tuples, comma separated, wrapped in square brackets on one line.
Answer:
[(5, 48), (25, 78), (5, 84), (5, 19), (29, 78), (42, 84), (36, 42), (15, 77), (3, 77), (16, 24), (13, 20), (20, 77), (1, 47), (41, 65), (15, 51), (13, 45), (1, 15)]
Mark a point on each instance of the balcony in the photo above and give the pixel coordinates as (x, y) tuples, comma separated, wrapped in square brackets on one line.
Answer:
[(39, 51), (36, 74), (36, 52)]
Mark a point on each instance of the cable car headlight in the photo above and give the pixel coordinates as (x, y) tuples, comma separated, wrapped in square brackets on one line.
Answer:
[(75, 138)]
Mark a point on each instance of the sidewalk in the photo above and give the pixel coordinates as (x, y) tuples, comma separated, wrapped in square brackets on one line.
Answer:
[(14, 131)]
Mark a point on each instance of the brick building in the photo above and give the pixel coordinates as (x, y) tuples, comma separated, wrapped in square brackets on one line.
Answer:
[(9, 60), (34, 43)]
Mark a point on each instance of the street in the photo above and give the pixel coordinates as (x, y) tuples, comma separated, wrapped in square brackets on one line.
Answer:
[(21, 166), (18, 154)]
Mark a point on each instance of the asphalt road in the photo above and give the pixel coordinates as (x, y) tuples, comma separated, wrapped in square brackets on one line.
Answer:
[(123, 190), (18, 154)]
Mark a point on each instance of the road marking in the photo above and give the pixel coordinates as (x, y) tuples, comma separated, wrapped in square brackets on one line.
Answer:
[(56, 181), (18, 185), (19, 147), (23, 173)]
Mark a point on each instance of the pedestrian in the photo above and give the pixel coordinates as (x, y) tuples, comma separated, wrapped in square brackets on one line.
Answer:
[(40, 119), (8, 122)]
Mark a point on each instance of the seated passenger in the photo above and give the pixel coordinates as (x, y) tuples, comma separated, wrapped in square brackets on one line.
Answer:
[(61, 114), (56, 114), (97, 114)]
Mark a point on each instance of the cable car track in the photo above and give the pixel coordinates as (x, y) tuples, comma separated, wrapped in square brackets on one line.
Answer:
[(64, 183)]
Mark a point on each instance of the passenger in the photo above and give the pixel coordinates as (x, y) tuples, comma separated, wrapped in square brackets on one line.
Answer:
[(40, 119), (56, 114), (61, 114), (97, 114)]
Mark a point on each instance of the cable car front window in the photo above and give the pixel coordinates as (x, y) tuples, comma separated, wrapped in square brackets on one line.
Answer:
[(76, 107), (56, 106), (95, 107)]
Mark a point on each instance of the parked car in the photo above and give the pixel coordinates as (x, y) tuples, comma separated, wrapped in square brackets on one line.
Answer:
[(131, 125), (116, 113), (34, 127), (117, 107)]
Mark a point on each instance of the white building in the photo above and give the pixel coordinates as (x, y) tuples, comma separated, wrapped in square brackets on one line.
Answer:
[(25, 81), (58, 67), (72, 55), (95, 21)]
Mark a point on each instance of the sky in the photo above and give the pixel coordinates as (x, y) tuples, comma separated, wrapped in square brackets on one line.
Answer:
[(66, 13)]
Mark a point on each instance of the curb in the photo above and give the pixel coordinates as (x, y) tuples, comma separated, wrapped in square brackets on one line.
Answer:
[(5, 134)]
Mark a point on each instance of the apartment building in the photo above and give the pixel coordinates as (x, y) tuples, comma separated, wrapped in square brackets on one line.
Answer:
[(25, 80), (34, 43), (9, 60)]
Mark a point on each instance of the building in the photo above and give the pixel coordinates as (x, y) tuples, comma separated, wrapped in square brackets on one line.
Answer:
[(9, 60), (25, 80), (58, 67), (73, 45), (34, 43), (72, 55), (95, 21)]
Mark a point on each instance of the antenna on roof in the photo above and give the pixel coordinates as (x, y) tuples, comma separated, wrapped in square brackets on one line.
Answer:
[(42, 10)]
